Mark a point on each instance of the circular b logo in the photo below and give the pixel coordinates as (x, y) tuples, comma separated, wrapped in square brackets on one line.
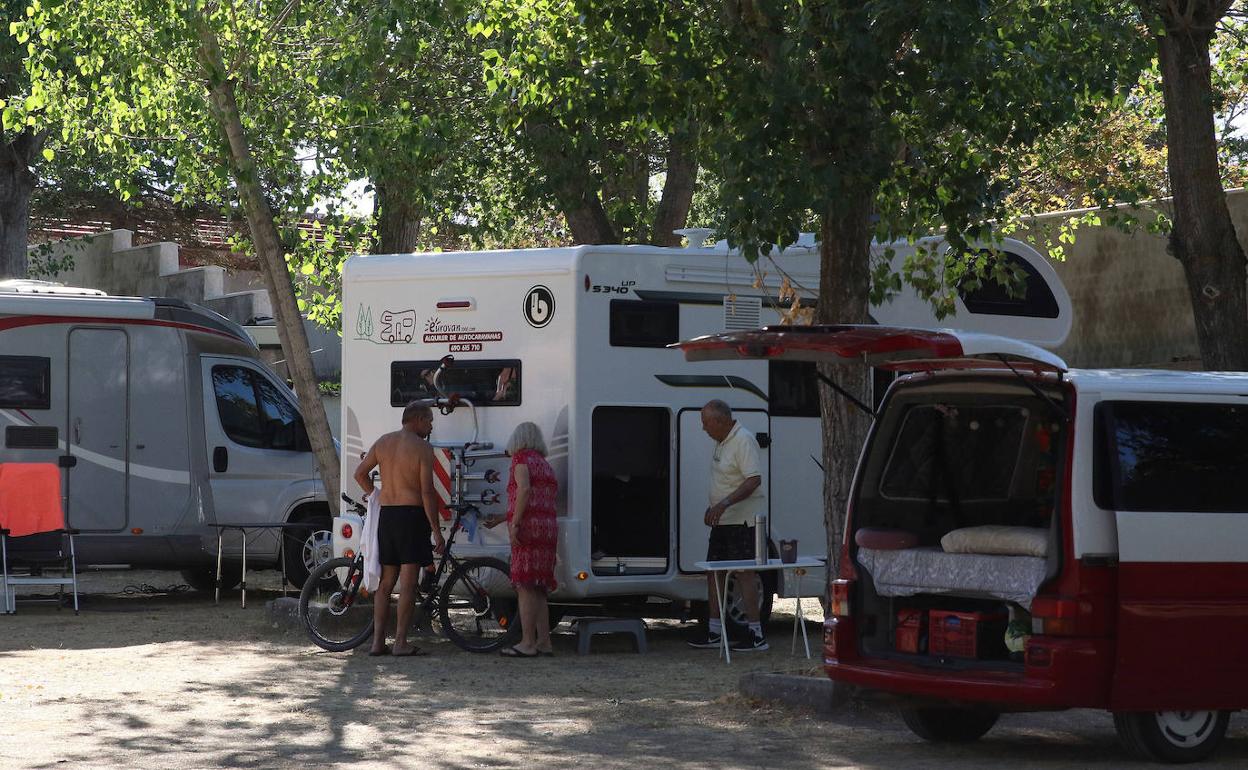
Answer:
[(539, 306)]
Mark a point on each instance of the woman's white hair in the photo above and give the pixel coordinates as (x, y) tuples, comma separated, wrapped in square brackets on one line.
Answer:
[(526, 436)]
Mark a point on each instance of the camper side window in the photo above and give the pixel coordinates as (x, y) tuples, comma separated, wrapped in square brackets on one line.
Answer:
[(644, 324), (792, 389), (25, 382), (985, 296)]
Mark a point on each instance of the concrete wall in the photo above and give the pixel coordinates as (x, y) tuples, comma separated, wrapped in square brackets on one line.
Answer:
[(1131, 304), (110, 261)]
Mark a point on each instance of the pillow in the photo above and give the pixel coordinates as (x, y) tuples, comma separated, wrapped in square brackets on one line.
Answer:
[(1003, 541), (879, 539)]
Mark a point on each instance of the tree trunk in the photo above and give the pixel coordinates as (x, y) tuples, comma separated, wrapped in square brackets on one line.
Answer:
[(572, 182), (399, 216), (682, 175), (264, 235), (844, 284), (1204, 238), (17, 184)]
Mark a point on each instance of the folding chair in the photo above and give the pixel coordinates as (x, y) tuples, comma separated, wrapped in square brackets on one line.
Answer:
[(36, 546)]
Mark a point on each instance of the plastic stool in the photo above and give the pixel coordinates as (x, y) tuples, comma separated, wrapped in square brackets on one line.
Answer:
[(587, 627)]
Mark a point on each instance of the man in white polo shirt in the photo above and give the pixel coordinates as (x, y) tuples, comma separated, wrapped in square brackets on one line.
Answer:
[(736, 496)]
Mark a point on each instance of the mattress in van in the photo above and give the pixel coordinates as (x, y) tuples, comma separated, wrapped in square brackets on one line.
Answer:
[(914, 571)]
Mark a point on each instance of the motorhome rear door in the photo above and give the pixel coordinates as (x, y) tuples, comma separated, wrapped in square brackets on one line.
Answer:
[(98, 429), (695, 478)]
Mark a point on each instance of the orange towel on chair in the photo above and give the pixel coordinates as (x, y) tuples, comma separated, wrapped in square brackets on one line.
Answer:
[(30, 498)]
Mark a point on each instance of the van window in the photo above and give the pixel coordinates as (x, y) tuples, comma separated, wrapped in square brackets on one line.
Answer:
[(25, 382), (1165, 456), (644, 323), (484, 383), (254, 412), (955, 453), (280, 420)]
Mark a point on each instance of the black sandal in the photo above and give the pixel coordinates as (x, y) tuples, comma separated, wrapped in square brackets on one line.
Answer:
[(512, 652)]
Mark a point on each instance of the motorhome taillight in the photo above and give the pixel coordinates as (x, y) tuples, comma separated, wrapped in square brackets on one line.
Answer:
[(840, 599), (347, 531), (349, 553), (1057, 617)]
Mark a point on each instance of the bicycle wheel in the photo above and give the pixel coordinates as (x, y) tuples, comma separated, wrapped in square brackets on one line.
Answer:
[(478, 606), (336, 613)]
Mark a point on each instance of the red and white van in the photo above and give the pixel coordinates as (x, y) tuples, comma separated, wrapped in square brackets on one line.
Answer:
[(1094, 522)]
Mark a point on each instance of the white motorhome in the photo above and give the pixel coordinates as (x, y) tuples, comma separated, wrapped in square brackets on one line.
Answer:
[(164, 420), (575, 340)]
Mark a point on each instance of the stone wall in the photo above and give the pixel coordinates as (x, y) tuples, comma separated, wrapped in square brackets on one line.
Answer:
[(1130, 298)]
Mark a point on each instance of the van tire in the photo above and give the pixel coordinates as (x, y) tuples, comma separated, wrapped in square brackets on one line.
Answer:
[(1171, 736), (205, 578), (949, 725), (298, 543)]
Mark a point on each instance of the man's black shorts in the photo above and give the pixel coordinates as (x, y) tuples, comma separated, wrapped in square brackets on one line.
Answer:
[(403, 536), (730, 542)]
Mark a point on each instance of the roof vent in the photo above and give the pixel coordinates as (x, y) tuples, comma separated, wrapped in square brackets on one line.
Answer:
[(696, 236), (742, 313)]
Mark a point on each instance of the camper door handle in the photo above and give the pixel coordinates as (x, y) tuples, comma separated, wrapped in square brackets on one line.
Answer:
[(77, 430), (140, 446)]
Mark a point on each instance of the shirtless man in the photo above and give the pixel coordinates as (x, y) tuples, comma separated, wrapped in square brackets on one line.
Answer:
[(409, 515)]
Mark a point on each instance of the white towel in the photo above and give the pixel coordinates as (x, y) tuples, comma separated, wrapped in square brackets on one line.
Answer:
[(368, 543)]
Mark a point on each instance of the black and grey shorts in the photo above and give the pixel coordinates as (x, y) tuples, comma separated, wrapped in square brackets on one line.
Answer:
[(403, 536), (730, 542)]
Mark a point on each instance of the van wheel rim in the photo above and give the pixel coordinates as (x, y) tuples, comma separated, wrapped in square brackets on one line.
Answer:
[(318, 548), (1186, 728)]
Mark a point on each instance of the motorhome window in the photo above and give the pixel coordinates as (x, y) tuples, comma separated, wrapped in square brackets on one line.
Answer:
[(792, 389), (954, 452), (484, 383), (236, 405), (1179, 457), (1036, 299), (280, 418), (25, 382), (644, 324)]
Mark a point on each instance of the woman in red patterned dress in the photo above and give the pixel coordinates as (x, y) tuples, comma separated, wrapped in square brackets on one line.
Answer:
[(534, 537)]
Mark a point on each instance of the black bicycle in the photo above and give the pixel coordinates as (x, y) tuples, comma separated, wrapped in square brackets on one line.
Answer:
[(472, 599)]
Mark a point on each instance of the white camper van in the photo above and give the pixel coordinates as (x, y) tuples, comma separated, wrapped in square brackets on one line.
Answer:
[(164, 421), (575, 340)]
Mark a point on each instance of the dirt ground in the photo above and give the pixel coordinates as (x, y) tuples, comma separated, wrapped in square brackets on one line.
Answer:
[(171, 681)]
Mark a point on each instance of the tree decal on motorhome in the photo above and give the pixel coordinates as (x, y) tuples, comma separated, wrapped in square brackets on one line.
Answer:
[(364, 323)]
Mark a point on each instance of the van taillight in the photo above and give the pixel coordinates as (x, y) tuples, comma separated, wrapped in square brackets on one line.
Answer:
[(839, 608), (1058, 617), (347, 531)]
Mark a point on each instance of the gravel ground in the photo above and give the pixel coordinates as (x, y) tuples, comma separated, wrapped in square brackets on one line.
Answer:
[(171, 681)]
